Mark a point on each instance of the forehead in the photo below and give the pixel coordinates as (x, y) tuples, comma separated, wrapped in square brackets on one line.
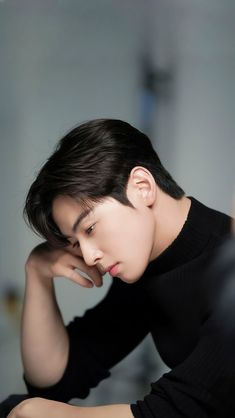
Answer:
[(63, 204)]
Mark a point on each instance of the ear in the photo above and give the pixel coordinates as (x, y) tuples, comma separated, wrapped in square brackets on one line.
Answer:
[(141, 186)]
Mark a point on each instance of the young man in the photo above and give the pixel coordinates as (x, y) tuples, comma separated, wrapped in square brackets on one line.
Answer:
[(104, 203)]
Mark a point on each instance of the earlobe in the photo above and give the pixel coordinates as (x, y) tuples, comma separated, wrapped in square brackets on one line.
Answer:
[(142, 182)]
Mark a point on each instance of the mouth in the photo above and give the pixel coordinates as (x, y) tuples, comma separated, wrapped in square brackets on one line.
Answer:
[(112, 270)]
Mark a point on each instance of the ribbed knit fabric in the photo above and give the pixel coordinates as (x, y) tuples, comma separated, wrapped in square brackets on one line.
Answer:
[(178, 301)]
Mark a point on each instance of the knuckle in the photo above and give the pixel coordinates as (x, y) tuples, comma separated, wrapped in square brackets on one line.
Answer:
[(54, 269), (61, 258), (55, 265)]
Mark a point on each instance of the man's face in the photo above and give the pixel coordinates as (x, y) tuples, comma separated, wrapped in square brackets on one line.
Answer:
[(111, 236)]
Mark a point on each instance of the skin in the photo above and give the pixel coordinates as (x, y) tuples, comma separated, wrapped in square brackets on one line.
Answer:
[(110, 234)]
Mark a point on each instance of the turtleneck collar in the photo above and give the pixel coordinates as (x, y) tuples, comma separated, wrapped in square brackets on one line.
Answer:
[(190, 242)]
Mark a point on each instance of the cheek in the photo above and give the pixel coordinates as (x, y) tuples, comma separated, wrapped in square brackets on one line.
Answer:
[(142, 232), (138, 256), (126, 237), (137, 239)]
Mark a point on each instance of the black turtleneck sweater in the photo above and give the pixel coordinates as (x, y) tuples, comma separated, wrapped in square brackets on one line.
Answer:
[(180, 306)]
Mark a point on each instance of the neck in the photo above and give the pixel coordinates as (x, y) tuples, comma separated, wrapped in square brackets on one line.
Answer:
[(170, 215)]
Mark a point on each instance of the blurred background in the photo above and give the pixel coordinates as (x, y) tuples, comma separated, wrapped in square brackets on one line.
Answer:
[(167, 67)]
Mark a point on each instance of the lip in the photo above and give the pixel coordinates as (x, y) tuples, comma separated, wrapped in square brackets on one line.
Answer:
[(112, 269)]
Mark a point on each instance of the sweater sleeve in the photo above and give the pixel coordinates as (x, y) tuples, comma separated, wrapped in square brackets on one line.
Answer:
[(98, 341), (203, 385)]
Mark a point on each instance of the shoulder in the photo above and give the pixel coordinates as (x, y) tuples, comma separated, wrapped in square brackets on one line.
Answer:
[(211, 218)]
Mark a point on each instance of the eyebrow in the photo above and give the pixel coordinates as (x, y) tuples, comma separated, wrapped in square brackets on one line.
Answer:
[(83, 215)]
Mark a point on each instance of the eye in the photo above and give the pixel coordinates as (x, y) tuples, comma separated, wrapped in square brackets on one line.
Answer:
[(90, 229)]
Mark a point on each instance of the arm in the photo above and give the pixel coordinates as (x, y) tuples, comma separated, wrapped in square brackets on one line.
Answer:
[(44, 338), (38, 408), (99, 340)]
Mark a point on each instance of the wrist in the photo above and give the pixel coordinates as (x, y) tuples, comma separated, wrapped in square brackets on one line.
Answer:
[(32, 273)]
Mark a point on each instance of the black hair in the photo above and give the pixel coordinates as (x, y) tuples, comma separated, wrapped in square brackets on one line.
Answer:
[(90, 163)]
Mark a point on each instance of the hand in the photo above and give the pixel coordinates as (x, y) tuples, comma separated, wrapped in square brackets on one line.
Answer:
[(48, 262), (41, 408)]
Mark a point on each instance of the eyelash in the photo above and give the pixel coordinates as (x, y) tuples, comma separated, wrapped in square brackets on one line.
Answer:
[(88, 231)]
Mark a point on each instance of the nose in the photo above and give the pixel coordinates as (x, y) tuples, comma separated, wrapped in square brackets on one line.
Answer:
[(91, 255)]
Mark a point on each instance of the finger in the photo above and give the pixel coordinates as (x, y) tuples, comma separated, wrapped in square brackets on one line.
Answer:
[(77, 277), (96, 276), (92, 272), (97, 281)]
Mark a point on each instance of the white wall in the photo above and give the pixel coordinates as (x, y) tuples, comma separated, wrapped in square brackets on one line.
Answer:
[(196, 128), (206, 97)]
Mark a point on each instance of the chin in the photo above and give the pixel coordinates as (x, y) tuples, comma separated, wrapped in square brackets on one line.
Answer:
[(133, 273), (130, 279)]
